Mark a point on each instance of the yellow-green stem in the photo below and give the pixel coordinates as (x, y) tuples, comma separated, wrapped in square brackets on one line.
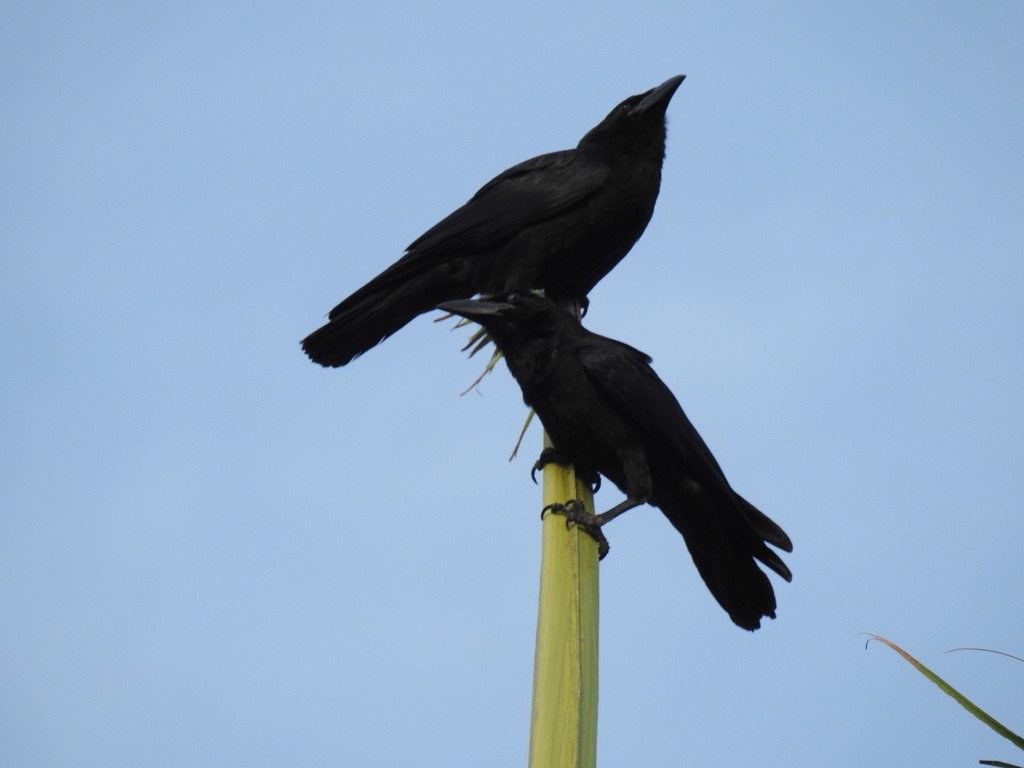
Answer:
[(563, 732)]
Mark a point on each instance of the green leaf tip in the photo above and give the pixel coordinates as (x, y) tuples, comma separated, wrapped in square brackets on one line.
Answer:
[(949, 690)]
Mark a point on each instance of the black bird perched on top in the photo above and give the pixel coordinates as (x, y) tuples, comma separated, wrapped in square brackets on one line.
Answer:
[(557, 223), (606, 411)]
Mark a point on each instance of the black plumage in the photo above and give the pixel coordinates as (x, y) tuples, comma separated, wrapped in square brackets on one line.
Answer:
[(557, 223), (606, 411)]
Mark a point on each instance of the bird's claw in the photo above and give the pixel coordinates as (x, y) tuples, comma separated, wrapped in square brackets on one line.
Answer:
[(551, 456), (547, 456), (576, 514)]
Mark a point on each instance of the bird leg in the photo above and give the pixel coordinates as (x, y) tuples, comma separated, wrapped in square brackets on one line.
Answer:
[(551, 455), (576, 514)]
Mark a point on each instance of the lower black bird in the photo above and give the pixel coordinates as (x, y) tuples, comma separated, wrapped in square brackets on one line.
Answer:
[(558, 223), (606, 411)]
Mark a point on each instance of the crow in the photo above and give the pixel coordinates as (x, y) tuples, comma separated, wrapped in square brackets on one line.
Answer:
[(557, 223), (607, 413)]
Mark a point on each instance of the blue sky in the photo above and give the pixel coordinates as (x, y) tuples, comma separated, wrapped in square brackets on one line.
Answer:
[(213, 552)]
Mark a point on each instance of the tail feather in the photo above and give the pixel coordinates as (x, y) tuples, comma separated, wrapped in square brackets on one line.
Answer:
[(725, 535), (769, 532), (377, 310)]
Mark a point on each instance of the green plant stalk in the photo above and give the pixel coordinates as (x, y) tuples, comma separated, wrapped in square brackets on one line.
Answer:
[(563, 731)]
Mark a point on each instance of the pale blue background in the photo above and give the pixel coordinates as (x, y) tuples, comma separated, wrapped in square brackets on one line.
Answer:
[(214, 553)]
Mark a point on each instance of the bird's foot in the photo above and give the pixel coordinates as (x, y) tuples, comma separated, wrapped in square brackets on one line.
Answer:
[(576, 514), (551, 456), (548, 456)]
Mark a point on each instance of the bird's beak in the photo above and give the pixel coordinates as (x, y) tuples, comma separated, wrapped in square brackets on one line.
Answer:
[(658, 98), (473, 309)]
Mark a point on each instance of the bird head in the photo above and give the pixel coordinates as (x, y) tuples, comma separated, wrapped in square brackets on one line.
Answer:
[(637, 116), (506, 316)]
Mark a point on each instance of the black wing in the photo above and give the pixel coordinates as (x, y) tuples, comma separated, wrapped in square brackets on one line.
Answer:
[(525, 194), (625, 377)]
